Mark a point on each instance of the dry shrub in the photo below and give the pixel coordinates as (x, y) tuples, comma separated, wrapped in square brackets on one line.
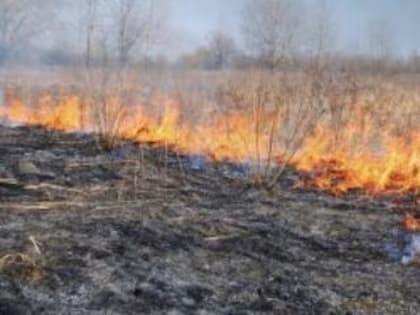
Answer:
[(281, 112), (104, 105), (282, 116)]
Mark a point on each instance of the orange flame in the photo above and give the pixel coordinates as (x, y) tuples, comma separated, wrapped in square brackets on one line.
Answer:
[(411, 223), (338, 166)]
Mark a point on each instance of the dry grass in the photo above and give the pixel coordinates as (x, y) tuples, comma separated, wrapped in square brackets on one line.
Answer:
[(28, 266), (284, 109)]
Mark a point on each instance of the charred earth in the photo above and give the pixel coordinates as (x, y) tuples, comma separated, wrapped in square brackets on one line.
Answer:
[(140, 230)]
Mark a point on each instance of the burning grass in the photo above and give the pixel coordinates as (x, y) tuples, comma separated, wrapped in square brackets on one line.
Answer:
[(345, 134)]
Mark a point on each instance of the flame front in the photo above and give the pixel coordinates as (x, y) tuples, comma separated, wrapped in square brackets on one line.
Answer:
[(338, 165)]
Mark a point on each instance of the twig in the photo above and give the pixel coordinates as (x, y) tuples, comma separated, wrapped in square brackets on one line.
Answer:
[(35, 244)]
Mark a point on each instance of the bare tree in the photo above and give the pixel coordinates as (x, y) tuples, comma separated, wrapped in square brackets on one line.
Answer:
[(381, 39), (273, 28), (20, 21), (321, 30), (114, 32), (222, 49), (91, 12), (381, 42), (123, 28), (139, 25)]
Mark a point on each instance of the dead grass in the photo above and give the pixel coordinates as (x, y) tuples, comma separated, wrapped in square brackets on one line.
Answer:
[(284, 109), (28, 266), (282, 115)]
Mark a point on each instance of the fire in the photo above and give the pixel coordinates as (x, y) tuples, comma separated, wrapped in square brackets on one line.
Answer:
[(15, 111), (361, 158), (340, 170), (411, 223)]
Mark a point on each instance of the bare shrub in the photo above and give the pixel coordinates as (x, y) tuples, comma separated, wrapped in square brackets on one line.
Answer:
[(282, 117)]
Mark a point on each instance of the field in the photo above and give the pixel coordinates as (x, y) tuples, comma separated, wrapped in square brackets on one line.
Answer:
[(209, 192), (118, 236), (349, 133)]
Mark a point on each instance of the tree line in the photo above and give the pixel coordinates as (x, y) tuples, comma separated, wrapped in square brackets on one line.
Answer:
[(274, 34)]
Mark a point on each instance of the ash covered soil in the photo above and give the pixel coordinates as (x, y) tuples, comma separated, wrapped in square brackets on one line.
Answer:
[(145, 231)]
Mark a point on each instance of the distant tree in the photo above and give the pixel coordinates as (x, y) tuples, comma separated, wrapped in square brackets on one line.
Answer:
[(321, 30), (381, 39), (60, 56), (139, 24), (413, 62), (221, 50), (21, 21), (381, 45), (196, 59), (273, 29), (91, 14)]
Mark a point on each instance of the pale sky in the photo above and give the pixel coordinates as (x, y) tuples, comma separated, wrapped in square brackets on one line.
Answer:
[(194, 19)]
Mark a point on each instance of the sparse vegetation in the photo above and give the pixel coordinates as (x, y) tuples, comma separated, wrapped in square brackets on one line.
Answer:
[(244, 167), (28, 266), (267, 120)]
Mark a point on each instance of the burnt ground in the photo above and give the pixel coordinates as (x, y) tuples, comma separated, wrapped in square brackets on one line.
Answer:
[(144, 231)]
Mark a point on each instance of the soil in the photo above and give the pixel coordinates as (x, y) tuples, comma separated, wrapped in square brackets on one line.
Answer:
[(141, 230)]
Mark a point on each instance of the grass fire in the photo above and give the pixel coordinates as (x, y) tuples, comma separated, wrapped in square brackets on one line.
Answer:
[(171, 157), (367, 152)]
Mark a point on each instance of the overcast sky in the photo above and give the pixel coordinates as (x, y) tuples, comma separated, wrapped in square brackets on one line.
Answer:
[(194, 19)]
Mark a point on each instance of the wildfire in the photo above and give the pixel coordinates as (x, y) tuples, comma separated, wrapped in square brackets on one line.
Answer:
[(395, 169), (411, 223), (337, 164)]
